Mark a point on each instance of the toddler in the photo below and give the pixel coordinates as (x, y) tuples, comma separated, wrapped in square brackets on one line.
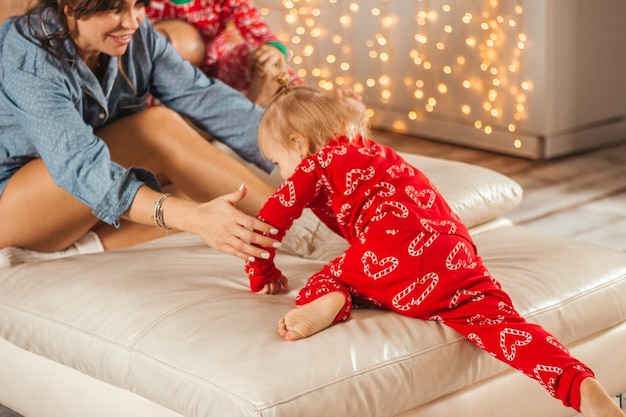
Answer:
[(368, 194)]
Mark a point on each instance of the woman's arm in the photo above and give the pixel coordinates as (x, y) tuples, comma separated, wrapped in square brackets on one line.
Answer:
[(208, 103), (212, 221)]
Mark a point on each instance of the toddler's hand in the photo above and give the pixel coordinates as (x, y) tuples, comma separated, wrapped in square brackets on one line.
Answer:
[(275, 286)]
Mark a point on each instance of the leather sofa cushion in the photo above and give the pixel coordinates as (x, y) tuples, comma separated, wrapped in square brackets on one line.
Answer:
[(174, 321)]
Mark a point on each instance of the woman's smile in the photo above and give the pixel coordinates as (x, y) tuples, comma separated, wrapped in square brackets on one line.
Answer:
[(107, 32), (121, 39)]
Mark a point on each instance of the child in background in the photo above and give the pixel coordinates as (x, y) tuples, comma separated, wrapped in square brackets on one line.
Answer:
[(198, 29), (368, 194)]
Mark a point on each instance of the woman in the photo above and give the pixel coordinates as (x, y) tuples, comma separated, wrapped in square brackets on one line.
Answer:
[(79, 153)]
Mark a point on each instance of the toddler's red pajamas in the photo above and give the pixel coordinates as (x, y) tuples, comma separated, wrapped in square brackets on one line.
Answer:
[(410, 253)]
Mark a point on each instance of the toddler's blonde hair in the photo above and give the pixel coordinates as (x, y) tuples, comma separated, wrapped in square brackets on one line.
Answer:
[(313, 115)]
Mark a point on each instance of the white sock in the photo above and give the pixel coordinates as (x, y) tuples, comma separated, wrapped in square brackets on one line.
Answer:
[(11, 256)]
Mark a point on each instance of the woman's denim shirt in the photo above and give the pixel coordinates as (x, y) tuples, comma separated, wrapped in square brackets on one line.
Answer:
[(50, 108)]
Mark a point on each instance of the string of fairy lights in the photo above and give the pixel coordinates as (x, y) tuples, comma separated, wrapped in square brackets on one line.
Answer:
[(446, 59)]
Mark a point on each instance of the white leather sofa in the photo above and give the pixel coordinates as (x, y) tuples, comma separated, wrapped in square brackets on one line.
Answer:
[(170, 328)]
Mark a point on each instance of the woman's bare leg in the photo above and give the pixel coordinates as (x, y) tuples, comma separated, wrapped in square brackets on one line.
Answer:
[(38, 215), (185, 39), (128, 234), (46, 218), (176, 151)]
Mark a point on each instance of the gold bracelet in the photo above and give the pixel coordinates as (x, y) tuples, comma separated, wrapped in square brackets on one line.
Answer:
[(157, 217)]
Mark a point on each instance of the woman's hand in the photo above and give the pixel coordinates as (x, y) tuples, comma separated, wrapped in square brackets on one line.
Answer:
[(218, 222), (224, 227), (267, 60)]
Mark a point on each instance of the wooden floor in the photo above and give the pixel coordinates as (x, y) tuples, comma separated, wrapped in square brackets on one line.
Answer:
[(582, 196)]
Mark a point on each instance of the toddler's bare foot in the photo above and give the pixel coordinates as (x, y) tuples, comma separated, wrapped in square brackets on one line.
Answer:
[(311, 318), (595, 402)]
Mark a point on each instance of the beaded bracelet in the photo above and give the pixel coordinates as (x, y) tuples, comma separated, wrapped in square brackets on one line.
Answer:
[(157, 217)]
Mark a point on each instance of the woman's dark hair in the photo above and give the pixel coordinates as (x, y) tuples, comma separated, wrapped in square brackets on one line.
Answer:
[(80, 9)]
